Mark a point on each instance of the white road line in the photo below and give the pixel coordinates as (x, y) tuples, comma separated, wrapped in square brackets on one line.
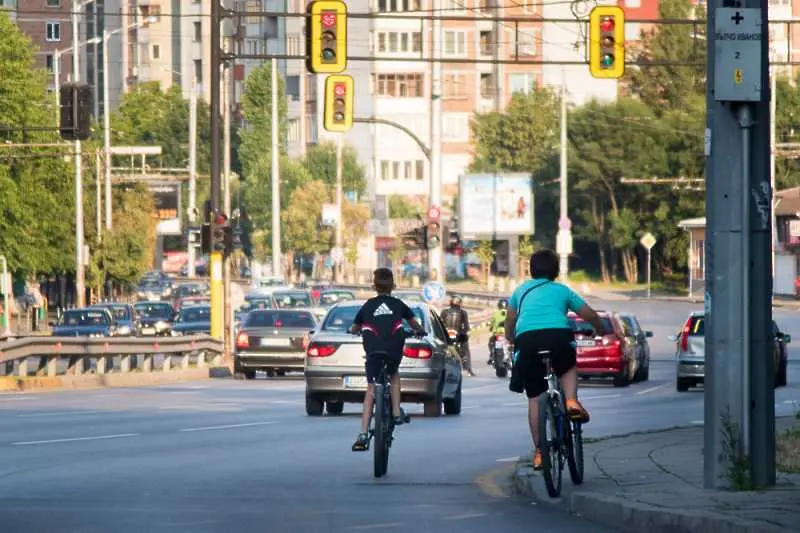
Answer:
[(376, 526), (464, 516), (600, 397), (508, 459), (22, 398), (652, 389), (697, 422), (75, 439), (61, 413), (229, 426)]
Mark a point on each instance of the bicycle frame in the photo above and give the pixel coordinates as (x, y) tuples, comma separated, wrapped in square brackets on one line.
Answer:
[(381, 422)]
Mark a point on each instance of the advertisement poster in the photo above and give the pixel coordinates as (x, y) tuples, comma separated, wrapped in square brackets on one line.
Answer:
[(496, 205), (167, 198)]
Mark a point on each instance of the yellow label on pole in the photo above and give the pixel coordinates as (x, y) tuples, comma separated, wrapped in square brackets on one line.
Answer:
[(738, 76), (217, 297)]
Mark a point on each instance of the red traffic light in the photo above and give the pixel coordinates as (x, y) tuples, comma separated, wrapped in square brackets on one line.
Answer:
[(220, 218), (607, 24), (339, 89), (328, 19)]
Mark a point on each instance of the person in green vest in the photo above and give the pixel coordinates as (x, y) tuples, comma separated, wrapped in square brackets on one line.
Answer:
[(497, 325)]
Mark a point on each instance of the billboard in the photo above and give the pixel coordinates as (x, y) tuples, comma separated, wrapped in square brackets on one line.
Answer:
[(167, 199), (495, 205)]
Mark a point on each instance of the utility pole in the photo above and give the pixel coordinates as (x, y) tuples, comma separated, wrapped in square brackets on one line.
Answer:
[(215, 258), (192, 173), (80, 290), (226, 167), (107, 128), (773, 91), (435, 195), (303, 119), (99, 195), (564, 237), (338, 268), (276, 194), (739, 395)]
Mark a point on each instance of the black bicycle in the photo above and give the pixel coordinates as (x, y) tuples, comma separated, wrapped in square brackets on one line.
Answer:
[(561, 438), (382, 422)]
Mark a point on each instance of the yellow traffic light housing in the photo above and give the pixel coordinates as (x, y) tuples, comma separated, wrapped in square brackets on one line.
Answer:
[(339, 99), (607, 42), (327, 36)]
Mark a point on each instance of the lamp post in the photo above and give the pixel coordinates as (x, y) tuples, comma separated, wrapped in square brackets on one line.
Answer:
[(57, 66)]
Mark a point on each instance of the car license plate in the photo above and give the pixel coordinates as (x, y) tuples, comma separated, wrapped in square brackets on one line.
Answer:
[(148, 331), (585, 343), (355, 382), (275, 343)]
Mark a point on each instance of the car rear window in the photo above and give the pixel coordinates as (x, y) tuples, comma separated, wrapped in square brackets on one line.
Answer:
[(579, 326), (85, 318), (270, 319), (287, 300), (330, 298), (154, 310), (341, 318), (195, 314)]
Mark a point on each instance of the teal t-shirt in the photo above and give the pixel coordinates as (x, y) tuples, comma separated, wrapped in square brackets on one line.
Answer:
[(545, 307)]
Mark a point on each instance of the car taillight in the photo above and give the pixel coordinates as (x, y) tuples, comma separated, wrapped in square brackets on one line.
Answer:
[(610, 340), (417, 352), (242, 340), (316, 349), (685, 335), (278, 324)]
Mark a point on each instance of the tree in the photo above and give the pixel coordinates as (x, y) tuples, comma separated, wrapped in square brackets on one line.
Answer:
[(256, 137), (301, 227), (355, 218), (485, 252), (520, 138), (320, 161), (525, 250), (400, 207)]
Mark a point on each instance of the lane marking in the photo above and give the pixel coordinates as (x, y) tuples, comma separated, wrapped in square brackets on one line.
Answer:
[(651, 389), (75, 439), (697, 422), (602, 397), (508, 459), (464, 516), (62, 413), (229, 426), (376, 526)]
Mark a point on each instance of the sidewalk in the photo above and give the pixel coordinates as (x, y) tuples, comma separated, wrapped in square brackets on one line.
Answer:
[(653, 482)]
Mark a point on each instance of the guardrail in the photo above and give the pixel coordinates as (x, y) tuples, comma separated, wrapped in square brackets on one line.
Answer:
[(54, 356)]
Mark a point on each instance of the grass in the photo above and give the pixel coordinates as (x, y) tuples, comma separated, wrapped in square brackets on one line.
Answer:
[(788, 451)]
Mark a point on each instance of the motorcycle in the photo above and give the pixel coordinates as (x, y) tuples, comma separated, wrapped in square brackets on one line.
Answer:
[(502, 353), (455, 341)]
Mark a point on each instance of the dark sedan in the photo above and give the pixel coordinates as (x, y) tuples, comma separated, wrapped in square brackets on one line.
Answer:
[(155, 317), (642, 347), (273, 340), (124, 317), (195, 320), (85, 323)]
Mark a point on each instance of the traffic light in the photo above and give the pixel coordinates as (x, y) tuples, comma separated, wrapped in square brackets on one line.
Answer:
[(327, 37), (75, 102), (607, 42), (221, 235), (434, 232), (451, 237), (416, 239), (205, 239), (338, 103)]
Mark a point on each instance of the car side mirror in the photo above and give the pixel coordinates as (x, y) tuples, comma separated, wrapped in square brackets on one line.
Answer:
[(672, 338), (648, 334), (312, 331), (787, 338)]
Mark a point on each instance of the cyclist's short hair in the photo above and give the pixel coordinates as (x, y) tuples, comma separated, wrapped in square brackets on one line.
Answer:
[(383, 280), (544, 265)]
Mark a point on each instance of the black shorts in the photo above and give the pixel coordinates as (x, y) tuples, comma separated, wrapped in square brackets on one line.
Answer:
[(374, 363), (529, 368)]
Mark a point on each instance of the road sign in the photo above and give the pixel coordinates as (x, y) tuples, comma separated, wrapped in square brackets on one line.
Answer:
[(737, 54), (564, 242), (648, 240), (434, 213), (433, 292)]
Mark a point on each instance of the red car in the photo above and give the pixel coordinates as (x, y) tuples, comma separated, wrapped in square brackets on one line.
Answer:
[(611, 356)]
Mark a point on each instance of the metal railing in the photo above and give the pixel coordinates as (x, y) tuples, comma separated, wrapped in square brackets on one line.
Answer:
[(57, 356)]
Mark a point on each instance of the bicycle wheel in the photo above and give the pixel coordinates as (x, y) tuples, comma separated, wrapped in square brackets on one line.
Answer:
[(381, 430), (575, 455), (552, 461)]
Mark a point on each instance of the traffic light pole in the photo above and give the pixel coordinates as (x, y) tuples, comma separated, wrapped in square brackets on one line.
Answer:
[(80, 290), (226, 166), (435, 196), (215, 257), (339, 265)]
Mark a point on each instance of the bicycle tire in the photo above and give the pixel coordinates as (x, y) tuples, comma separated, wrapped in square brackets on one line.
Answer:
[(381, 429), (575, 455), (552, 461)]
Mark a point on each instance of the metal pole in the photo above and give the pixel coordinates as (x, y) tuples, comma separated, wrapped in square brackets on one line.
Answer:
[(57, 78), (338, 268), (772, 176), (107, 128), (745, 123), (98, 195), (276, 203), (6, 287), (192, 173), (435, 199), (649, 266), (563, 222), (214, 104), (226, 173), (79, 278), (303, 118)]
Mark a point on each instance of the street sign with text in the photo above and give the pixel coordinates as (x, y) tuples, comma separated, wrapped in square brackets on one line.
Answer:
[(737, 54)]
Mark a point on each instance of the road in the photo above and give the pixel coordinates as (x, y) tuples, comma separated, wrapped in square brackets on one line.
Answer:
[(235, 456)]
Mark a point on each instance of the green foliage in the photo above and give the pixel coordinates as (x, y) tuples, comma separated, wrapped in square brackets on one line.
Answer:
[(256, 137), (320, 161), (300, 222), (787, 129), (400, 207)]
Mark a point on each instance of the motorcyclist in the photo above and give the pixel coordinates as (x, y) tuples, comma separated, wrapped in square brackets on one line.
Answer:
[(454, 317), (497, 326)]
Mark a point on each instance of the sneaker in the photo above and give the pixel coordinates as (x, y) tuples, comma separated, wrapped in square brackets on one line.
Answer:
[(537, 460), (402, 419), (577, 412), (362, 443)]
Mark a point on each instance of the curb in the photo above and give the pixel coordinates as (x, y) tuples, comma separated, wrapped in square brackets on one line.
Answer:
[(627, 515)]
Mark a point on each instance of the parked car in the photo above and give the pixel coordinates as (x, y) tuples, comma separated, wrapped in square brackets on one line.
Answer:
[(155, 318), (641, 346), (273, 340), (291, 299), (690, 353), (611, 356), (335, 374), (86, 322), (124, 316), (193, 320)]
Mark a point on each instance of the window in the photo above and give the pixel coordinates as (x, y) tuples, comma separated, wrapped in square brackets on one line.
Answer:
[(402, 85), (402, 170), (397, 6), (48, 62), (293, 45), (384, 170), (294, 130), (396, 170), (633, 31), (454, 87), (455, 43), (482, 6), (521, 83), (420, 164), (399, 42), (524, 43), (487, 43), (156, 51), (198, 32), (454, 6), (53, 3), (487, 86), (638, 3), (455, 127), (292, 88), (52, 32), (198, 70)]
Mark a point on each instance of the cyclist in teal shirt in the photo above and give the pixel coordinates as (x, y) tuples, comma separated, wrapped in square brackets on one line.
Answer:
[(537, 320)]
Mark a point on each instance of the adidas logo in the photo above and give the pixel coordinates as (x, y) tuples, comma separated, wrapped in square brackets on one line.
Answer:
[(382, 309)]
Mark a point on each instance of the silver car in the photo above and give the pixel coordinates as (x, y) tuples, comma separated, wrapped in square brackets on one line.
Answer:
[(430, 371), (691, 352)]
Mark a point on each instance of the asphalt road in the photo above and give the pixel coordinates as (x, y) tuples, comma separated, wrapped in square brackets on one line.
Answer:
[(235, 456)]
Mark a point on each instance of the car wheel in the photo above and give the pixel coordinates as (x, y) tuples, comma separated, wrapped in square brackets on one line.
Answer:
[(453, 405), (645, 373), (313, 406), (622, 379), (433, 407), (780, 378), (682, 385), (281, 372), (270, 373), (334, 408)]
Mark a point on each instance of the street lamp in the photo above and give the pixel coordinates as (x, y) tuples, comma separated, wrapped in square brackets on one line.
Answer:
[(107, 111), (57, 65)]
